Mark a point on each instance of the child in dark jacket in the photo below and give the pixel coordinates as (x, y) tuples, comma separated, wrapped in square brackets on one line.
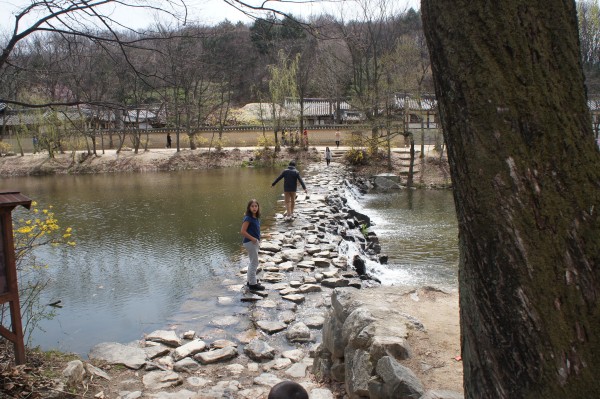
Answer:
[(290, 177)]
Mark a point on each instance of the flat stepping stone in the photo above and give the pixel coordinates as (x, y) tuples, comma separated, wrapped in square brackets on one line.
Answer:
[(312, 249), (269, 304), (271, 327), (191, 348), (296, 298), (335, 282), (289, 291), (262, 294), (273, 277), (269, 246), (217, 355), (285, 267), (279, 286), (321, 262), (224, 321), (314, 321), (309, 280), (287, 316), (306, 288), (222, 343), (166, 337), (306, 265), (251, 298)]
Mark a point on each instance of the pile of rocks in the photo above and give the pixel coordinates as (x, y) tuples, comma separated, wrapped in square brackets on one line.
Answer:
[(365, 339)]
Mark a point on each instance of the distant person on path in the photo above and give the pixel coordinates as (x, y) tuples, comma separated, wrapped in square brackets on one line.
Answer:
[(251, 232), (283, 142), (168, 140), (290, 177), (288, 390), (305, 138), (297, 138), (327, 155), (337, 139), (35, 144)]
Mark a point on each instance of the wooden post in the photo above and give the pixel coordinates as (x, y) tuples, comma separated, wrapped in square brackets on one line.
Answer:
[(9, 288)]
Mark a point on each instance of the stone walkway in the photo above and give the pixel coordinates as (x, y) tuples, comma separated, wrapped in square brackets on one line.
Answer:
[(301, 264)]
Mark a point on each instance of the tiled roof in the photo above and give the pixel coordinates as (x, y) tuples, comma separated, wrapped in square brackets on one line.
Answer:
[(316, 106), (403, 101)]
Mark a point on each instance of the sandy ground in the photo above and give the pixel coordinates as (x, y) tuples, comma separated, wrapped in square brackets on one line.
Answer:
[(436, 351)]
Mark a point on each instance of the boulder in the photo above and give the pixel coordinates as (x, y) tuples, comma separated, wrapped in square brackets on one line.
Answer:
[(398, 381), (258, 350), (74, 372), (299, 332), (358, 371), (186, 365)]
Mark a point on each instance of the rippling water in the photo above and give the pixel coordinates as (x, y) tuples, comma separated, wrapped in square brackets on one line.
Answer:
[(154, 249)]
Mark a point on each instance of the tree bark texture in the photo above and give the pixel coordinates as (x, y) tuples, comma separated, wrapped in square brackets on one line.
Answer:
[(526, 177)]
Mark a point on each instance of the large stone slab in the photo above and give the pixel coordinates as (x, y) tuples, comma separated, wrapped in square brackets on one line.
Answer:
[(115, 353)]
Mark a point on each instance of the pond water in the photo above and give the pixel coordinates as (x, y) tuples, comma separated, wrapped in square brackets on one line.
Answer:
[(154, 249)]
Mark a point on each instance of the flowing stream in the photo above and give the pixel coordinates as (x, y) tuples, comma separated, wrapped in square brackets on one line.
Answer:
[(154, 249)]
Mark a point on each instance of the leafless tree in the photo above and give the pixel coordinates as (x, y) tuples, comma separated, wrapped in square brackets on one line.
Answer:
[(89, 19)]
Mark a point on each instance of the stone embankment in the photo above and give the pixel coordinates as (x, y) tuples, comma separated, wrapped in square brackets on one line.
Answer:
[(312, 325)]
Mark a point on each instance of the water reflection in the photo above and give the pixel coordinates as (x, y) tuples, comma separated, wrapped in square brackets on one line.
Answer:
[(144, 243)]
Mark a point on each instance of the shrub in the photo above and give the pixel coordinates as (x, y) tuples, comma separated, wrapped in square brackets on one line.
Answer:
[(357, 156), (40, 230), (5, 148)]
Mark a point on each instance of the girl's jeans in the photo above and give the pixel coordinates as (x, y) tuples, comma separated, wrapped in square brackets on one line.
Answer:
[(252, 249)]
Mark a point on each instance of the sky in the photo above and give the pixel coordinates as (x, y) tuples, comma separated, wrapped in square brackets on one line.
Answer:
[(208, 12)]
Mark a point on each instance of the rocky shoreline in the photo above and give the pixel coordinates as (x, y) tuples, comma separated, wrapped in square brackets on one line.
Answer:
[(323, 322)]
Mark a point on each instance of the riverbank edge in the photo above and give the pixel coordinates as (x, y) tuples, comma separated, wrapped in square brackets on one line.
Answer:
[(431, 171)]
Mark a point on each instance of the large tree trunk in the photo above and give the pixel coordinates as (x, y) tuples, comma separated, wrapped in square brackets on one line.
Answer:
[(526, 177)]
